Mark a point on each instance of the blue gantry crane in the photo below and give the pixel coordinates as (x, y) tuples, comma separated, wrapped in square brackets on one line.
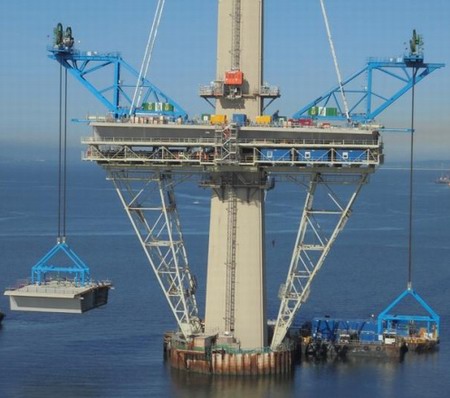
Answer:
[(116, 96), (365, 101), (60, 281)]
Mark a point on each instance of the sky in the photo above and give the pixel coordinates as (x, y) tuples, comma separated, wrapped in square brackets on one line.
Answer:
[(297, 59)]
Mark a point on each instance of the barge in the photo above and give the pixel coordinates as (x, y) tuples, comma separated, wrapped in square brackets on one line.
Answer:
[(391, 335), (341, 338)]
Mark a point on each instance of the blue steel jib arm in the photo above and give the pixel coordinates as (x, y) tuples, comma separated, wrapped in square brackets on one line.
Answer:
[(82, 65), (399, 69)]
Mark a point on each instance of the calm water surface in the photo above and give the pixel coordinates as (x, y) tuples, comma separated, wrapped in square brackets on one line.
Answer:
[(116, 351)]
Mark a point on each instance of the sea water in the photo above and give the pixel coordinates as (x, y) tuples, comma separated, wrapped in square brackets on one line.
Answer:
[(116, 350)]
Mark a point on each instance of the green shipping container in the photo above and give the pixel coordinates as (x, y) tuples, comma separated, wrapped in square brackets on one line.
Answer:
[(331, 111), (167, 107), (314, 111)]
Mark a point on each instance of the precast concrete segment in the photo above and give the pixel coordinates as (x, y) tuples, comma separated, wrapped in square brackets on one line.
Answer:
[(250, 59), (248, 289), (58, 297)]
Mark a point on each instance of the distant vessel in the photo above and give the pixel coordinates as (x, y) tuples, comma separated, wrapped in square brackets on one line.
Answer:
[(2, 315), (444, 178)]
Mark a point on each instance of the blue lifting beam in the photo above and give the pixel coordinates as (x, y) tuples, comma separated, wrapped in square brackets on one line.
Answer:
[(389, 321), (367, 104), (362, 109), (115, 97), (77, 270)]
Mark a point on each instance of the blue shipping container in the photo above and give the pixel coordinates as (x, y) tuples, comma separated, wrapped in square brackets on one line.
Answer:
[(351, 155), (368, 337), (240, 119), (318, 155), (276, 154)]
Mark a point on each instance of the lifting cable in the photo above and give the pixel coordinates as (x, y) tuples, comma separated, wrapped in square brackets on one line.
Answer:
[(336, 65), (411, 175), (62, 156)]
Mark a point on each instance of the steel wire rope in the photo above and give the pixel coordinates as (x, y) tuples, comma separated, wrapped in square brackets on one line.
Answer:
[(59, 151), (335, 61), (147, 57), (65, 157), (411, 182), (62, 156)]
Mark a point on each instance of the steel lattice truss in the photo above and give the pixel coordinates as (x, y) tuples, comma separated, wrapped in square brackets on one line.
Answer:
[(366, 102), (324, 216), (148, 199), (116, 96)]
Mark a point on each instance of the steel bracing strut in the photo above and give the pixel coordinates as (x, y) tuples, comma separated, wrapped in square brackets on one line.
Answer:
[(149, 201), (314, 243)]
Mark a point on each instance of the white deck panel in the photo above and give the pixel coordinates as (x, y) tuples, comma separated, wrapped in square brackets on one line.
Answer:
[(62, 297)]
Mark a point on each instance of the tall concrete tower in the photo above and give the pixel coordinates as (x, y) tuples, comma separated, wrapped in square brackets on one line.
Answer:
[(236, 293), (240, 57)]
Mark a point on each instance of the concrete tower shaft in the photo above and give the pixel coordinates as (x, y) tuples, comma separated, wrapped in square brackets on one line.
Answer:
[(236, 294), (240, 49)]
